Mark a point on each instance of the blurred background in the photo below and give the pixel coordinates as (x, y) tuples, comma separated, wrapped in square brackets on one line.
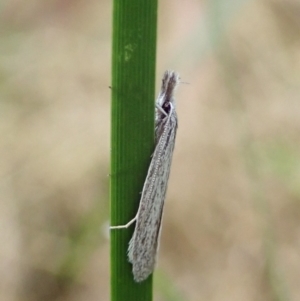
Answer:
[(231, 227)]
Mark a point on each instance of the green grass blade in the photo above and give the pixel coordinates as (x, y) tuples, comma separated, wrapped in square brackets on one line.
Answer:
[(132, 132)]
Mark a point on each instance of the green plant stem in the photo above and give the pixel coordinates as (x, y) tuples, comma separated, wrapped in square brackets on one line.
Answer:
[(132, 132)]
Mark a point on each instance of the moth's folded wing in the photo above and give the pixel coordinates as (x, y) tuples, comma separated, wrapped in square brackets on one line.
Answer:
[(144, 242)]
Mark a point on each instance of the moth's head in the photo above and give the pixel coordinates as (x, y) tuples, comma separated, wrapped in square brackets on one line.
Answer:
[(169, 83)]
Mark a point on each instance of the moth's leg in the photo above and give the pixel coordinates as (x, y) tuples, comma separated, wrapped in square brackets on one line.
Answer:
[(172, 108), (161, 109), (124, 226)]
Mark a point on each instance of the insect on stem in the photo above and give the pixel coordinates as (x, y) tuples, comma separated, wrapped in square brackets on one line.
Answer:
[(144, 243)]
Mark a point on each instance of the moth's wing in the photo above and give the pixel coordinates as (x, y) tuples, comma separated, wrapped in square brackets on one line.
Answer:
[(144, 242)]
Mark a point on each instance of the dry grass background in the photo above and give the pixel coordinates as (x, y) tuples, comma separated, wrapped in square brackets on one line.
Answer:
[(232, 220)]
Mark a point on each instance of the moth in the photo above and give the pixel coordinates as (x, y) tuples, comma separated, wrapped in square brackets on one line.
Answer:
[(143, 246)]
